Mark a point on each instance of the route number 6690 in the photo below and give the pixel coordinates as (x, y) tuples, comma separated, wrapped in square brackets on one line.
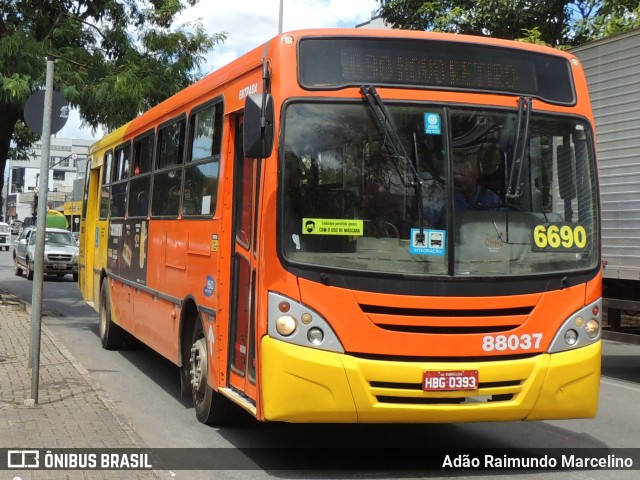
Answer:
[(502, 343), (559, 236)]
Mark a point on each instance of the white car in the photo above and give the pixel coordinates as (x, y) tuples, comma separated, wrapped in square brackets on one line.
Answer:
[(5, 236), (16, 227), (60, 253)]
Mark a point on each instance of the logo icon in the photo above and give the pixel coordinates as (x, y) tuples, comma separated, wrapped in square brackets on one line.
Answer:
[(23, 459)]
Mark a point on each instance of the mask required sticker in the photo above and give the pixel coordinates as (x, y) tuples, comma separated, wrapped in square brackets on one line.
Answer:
[(332, 226)]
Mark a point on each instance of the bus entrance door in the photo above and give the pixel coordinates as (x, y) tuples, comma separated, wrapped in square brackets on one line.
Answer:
[(242, 351)]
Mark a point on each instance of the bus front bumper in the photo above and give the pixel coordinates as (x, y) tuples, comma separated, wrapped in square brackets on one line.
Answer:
[(307, 385)]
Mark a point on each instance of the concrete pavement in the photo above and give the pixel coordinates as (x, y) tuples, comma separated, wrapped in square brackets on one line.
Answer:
[(72, 410)]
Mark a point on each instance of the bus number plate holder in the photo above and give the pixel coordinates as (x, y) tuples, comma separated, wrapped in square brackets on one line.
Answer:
[(449, 380)]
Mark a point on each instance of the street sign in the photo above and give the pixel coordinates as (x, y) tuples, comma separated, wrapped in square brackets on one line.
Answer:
[(34, 112)]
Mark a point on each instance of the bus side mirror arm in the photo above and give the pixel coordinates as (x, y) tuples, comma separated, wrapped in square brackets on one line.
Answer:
[(258, 125)]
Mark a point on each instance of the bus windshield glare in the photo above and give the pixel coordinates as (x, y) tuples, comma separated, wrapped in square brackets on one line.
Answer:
[(499, 192)]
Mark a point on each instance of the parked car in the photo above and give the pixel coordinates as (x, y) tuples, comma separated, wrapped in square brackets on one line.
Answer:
[(5, 236), (60, 253), (16, 227)]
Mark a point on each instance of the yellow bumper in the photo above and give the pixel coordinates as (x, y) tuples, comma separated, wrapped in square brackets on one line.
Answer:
[(307, 385)]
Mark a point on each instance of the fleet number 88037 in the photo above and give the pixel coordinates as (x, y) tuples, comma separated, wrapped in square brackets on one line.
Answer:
[(501, 343)]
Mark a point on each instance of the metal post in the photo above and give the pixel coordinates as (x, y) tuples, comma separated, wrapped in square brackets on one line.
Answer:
[(280, 18), (41, 225), (6, 203)]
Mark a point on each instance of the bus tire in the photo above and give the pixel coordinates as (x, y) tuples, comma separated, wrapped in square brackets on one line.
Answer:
[(211, 407), (112, 336)]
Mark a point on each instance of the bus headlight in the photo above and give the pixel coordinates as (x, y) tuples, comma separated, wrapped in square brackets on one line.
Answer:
[(592, 328), (292, 322), (315, 336), (286, 325), (571, 337), (580, 329)]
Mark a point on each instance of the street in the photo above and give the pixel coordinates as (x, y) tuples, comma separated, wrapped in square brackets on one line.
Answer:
[(146, 389)]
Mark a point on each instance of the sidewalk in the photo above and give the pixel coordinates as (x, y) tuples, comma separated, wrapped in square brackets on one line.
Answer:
[(72, 410)]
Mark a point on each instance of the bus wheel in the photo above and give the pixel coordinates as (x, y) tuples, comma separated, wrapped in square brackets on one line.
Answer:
[(211, 407), (111, 335)]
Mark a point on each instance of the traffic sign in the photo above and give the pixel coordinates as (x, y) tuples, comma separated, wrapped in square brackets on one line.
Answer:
[(34, 112)]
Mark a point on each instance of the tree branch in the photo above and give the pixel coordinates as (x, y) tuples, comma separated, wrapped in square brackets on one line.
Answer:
[(91, 25), (68, 60)]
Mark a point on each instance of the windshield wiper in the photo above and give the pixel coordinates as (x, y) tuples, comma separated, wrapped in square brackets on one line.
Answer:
[(519, 148), (383, 117)]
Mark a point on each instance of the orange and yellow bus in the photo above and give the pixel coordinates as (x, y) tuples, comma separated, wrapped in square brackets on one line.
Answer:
[(359, 226)]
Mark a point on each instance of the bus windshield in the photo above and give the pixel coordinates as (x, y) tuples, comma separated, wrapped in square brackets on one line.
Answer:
[(496, 192)]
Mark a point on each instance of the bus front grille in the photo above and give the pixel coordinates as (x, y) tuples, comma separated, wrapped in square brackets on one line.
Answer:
[(446, 321)]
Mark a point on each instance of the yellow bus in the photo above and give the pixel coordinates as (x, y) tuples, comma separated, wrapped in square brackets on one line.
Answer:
[(359, 226)]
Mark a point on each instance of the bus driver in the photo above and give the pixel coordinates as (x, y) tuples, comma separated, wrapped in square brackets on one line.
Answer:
[(469, 194)]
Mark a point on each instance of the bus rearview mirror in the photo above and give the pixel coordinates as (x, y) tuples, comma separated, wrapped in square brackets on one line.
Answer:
[(258, 126)]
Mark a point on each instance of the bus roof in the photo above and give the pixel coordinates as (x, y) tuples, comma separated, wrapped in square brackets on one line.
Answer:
[(109, 139)]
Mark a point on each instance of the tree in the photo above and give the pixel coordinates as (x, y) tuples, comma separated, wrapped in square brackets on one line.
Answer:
[(559, 23), (114, 58)]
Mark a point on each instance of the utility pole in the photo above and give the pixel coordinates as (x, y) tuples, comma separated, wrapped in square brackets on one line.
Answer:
[(38, 273), (8, 191), (39, 117)]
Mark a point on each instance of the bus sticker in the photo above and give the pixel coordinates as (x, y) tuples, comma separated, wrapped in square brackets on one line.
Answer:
[(552, 237), (210, 286), (427, 242), (432, 124), (332, 226)]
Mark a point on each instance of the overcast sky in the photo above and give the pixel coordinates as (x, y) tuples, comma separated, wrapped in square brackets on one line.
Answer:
[(249, 23)]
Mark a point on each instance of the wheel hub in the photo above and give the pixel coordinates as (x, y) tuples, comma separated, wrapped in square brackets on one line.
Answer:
[(199, 369)]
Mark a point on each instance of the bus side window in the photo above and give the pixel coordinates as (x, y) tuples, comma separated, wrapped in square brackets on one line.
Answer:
[(167, 178), (138, 205), (121, 166), (118, 199), (170, 144), (202, 170), (142, 154), (166, 193), (105, 194)]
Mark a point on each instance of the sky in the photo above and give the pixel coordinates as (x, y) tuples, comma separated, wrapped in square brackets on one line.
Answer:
[(249, 23)]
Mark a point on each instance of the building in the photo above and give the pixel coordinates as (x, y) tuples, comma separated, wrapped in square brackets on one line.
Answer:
[(66, 166), (376, 21)]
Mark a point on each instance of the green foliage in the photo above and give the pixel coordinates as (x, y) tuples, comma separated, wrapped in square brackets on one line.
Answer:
[(23, 139), (105, 71), (559, 23)]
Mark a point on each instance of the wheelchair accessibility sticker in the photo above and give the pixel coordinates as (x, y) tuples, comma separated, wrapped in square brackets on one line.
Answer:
[(430, 242)]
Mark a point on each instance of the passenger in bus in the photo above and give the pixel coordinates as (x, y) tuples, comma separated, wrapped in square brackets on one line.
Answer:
[(469, 193)]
